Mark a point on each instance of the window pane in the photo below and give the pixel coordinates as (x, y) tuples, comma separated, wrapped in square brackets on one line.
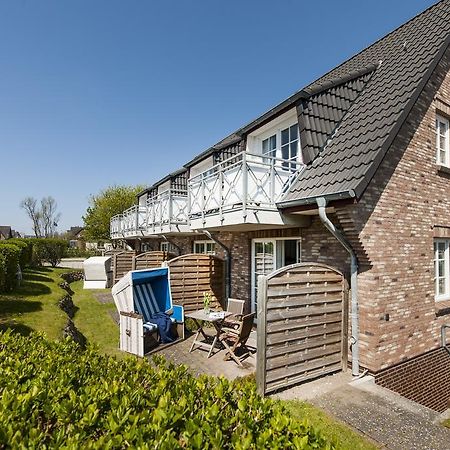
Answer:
[(285, 152), (285, 136), (265, 146), (441, 268), (273, 142), (293, 150), (441, 289), (294, 132)]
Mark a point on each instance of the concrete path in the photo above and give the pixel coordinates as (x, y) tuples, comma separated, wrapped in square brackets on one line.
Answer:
[(389, 419), (72, 263)]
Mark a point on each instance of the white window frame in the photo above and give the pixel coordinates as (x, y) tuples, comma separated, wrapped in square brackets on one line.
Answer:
[(167, 247), (442, 122), (446, 276), (205, 244), (274, 127), (276, 260)]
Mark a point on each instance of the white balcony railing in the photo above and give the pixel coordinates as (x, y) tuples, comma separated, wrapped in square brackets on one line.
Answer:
[(166, 211), (162, 214), (242, 182)]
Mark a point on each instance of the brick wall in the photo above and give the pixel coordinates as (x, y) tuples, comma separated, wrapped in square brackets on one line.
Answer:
[(392, 229), (425, 379)]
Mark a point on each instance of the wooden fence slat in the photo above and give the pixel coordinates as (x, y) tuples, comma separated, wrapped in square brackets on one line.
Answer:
[(303, 322)]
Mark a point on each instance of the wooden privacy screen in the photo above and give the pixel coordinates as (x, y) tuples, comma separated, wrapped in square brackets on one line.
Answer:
[(302, 325), (150, 260), (193, 274), (122, 263)]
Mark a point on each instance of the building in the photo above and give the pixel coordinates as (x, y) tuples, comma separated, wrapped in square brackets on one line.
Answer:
[(369, 143)]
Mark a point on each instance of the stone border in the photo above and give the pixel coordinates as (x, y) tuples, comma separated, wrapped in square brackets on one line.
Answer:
[(66, 304)]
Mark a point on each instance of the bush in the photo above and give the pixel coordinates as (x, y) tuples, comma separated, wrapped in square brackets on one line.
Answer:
[(9, 266), (26, 250), (49, 250), (56, 396)]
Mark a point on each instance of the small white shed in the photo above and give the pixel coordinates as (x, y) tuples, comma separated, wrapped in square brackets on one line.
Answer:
[(97, 272)]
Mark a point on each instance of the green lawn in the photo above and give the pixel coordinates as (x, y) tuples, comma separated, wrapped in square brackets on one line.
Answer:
[(33, 306), (331, 429), (93, 319)]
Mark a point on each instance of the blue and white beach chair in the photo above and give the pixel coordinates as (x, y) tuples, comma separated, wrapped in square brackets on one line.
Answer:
[(139, 295)]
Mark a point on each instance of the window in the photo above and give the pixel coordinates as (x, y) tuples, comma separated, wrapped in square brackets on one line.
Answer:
[(269, 146), (206, 247), (289, 145), (283, 145), (442, 142), (442, 269), (167, 247)]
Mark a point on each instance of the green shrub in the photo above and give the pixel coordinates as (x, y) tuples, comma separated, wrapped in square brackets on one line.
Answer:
[(50, 250), (11, 254), (76, 252), (2, 272), (54, 395), (26, 250)]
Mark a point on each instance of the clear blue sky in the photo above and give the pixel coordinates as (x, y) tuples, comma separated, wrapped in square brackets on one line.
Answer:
[(94, 93)]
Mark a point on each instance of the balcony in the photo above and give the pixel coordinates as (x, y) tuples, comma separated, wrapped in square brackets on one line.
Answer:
[(167, 212), (243, 189), (164, 213), (131, 223)]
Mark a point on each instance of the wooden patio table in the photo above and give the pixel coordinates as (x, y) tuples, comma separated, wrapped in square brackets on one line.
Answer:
[(216, 318)]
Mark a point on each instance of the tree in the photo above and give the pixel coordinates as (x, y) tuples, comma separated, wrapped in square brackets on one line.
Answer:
[(103, 206), (45, 217)]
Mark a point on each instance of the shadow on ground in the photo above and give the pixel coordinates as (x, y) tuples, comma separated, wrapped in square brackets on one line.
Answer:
[(16, 328), (30, 276)]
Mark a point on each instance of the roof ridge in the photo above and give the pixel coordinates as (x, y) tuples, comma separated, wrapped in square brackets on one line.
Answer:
[(318, 88)]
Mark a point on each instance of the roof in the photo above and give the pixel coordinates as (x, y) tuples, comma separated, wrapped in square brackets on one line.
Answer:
[(161, 181), (343, 160), (5, 231)]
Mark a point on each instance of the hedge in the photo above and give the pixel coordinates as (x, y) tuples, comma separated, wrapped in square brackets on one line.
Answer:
[(8, 266), (50, 250), (26, 250), (54, 395)]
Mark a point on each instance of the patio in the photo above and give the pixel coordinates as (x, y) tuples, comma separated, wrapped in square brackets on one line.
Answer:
[(199, 363)]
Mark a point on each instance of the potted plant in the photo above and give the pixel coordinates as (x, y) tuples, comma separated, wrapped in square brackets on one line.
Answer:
[(206, 301)]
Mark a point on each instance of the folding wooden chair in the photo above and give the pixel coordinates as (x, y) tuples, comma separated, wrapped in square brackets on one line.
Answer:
[(234, 340), (235, 306)]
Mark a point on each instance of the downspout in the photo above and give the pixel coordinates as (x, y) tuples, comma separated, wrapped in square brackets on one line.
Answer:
[(172, 243), (227, 263), (354, 340), (444, 337)]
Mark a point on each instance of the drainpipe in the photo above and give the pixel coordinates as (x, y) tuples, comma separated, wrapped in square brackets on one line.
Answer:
[(227, 263), (172, 243), (354, 340), (444, 337)]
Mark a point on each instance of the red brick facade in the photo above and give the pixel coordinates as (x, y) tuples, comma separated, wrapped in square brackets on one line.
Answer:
[(394, 222)]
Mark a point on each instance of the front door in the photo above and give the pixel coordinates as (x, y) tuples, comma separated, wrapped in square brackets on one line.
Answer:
[(269, 255)]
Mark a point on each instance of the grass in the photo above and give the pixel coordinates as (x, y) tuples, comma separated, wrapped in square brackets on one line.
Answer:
[(331, 429), (33, 306), (94, 320)]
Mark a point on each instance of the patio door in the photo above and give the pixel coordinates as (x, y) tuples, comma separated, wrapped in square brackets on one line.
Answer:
[(269, 255)]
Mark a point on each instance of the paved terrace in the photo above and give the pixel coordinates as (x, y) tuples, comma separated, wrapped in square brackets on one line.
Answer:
[(199, 363)]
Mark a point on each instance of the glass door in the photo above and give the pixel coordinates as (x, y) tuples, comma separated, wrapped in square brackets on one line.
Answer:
[(263, 263), (269, 255)]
